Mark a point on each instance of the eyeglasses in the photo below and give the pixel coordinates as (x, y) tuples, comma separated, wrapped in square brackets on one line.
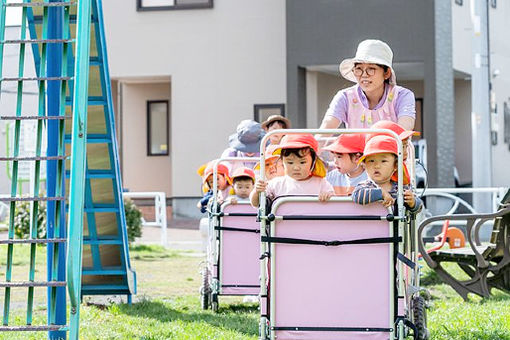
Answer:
[(358, 71)]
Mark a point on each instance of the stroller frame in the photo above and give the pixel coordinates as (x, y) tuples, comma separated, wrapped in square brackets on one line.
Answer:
[(407, 287)]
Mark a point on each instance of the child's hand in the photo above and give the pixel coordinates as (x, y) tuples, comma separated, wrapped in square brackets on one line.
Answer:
[(409, 199), (260, 186), (325, 196), (232, 200), (388, 201)]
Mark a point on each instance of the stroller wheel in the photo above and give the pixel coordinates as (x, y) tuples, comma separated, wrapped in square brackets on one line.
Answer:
[(214, 302), (205, 290), (419, 308)]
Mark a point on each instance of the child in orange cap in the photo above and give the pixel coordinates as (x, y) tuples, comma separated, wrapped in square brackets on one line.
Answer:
[(273, 163), (243, 180), (223, 182), (304, 171), (380, 159), (347, 150), (405, 136)]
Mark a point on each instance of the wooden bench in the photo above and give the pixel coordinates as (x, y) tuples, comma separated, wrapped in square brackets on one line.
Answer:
[(487, 265)]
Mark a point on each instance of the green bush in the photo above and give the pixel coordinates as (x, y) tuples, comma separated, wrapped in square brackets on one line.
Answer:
[(22, 220), (133, 220)]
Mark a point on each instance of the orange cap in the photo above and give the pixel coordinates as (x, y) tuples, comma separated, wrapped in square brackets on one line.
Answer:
[(380, 144), (243, 172), (398, 129), (208, 171), (268, 154), (348, 143), (299, 141)]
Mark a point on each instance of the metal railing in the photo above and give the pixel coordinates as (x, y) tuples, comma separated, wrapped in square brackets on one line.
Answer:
[(159, 211)]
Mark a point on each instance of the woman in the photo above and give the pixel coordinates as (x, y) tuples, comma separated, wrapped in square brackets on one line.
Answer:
[(376, 96)]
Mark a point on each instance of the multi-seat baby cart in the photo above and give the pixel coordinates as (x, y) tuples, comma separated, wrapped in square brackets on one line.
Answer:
[(339, 270), (232, 266)]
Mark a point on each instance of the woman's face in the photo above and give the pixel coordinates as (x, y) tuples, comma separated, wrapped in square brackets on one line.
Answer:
[(370, 77)]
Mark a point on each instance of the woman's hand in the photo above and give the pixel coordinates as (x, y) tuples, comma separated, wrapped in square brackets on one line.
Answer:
[(325, 196), (409, 199), (388, 201)]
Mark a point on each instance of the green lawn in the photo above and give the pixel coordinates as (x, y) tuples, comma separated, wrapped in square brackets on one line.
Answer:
[(167, 307)]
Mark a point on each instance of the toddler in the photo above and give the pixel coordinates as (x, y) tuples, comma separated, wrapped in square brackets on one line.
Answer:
[(304, 171), (347, 150), (243, 180), (223, 180), (380, 159)]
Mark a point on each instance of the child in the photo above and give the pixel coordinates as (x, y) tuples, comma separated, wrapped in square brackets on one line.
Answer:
[(405, 136), (273, 163), (347, 150), (304, 171), (243, 180), (223, 182), (380, 159)]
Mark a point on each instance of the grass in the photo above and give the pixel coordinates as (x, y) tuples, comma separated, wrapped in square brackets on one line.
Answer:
[(167, 306)]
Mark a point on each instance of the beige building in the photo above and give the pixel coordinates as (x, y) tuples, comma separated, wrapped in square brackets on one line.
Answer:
[(185, 72)]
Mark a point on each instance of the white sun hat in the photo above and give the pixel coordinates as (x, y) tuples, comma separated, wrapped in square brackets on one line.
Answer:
[(369, 51)]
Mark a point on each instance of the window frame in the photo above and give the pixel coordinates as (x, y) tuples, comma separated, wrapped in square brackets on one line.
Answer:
[(141, 8), (149, 134), (258, 107)]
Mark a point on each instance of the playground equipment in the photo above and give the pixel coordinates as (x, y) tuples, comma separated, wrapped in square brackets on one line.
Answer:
[(70, 86), (338, 270), (232, 266), (486, 264)]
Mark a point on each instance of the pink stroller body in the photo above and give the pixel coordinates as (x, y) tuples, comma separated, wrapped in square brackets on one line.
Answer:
[(330, 291)]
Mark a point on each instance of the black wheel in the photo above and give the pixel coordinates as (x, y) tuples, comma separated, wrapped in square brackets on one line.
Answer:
[(419, 308), (214, 302), (205, 290)]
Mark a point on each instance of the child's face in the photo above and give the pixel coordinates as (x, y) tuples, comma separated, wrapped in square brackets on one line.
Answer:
[(275, 139), (298, 167), (405, 144), (370, 76), (274, 168), (242, 188), (222, 182), (380, 167), (344, 163)]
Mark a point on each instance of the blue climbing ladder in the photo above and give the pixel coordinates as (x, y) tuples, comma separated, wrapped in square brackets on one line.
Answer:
[(69, 48)]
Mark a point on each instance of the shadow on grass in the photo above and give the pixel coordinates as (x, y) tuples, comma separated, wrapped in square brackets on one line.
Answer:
[(229, 317)]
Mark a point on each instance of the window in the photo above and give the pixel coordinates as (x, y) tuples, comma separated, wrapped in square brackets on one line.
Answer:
[(157, 128), (157, 5), (262, 111), (418, 123), (458, 2)]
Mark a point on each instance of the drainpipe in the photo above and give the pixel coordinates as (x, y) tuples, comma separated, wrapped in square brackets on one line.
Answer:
[(480, 107)]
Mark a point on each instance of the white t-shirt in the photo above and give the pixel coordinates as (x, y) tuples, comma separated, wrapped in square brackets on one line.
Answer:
[(343, 184)]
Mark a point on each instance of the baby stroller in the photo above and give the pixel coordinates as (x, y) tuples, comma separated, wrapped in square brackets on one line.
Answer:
[(232, 265), (339, 270)]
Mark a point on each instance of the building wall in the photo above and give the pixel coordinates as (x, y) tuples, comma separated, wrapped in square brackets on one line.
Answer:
[(139, 171), (221, 62)]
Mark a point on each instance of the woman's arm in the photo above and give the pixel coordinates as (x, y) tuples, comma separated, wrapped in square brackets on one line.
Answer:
[(330, 122), (407, 122)]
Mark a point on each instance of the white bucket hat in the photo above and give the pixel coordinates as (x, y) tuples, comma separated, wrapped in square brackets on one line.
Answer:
[(369, 51)]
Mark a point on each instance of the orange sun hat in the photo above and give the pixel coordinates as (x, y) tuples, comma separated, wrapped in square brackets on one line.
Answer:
[(206, 170), (389, 125), (347, 143), (300, 141), (268, 155), (243, 172), (380, 144)]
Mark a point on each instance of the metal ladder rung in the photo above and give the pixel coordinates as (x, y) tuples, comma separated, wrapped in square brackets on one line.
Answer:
[(33, 284), (35, 117), (38, 158), (35, 78), (34, 240), (37, 41), (40, 4), (30, 199), (30, 328)]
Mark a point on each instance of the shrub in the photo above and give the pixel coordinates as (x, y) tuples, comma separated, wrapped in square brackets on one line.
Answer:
[(133, 220), (22, 220)]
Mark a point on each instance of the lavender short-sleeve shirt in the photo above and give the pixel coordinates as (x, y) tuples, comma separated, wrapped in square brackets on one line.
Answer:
[(404, 104)]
